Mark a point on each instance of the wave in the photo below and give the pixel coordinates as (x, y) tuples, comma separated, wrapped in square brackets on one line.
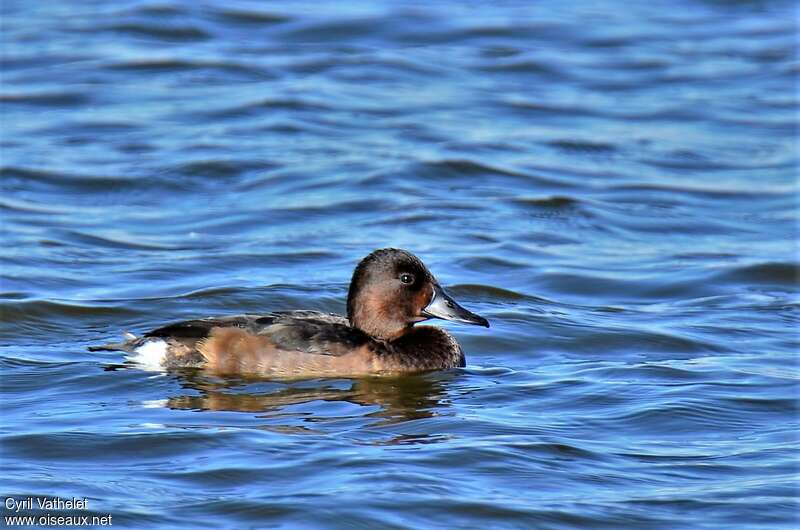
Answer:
[(177, 65), (37, 310), (25, 176), (47, 99), (779, 273), (163, 32)]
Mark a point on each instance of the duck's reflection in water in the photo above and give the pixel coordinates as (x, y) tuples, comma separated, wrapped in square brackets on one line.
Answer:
[(389, 401)]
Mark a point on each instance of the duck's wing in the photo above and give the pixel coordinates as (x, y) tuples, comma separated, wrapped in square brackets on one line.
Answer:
[(201, 328), (302, 331)]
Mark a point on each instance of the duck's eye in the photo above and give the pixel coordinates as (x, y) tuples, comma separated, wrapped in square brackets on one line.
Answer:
[(407, 278)]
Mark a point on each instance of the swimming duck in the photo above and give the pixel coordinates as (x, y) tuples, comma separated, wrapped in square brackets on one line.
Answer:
[(391, 290)]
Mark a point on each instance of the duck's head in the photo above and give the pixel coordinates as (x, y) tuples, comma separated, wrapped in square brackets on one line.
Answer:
[(392, 290)]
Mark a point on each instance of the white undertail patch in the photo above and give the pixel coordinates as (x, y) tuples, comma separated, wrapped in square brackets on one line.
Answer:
[(150, 355), (155, 403)]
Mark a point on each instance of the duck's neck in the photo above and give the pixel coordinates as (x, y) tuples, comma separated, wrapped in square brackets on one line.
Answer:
[(377, 325), (426, 348)]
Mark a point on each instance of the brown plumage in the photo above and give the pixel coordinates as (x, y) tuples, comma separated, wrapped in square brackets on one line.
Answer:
[(391, 290)]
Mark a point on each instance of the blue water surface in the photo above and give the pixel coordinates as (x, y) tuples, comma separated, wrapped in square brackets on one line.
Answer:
[(613, 185)]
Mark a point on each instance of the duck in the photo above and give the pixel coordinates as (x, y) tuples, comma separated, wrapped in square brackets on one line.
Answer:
[(391, 292)]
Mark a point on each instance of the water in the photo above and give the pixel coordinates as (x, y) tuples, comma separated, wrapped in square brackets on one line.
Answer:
[(613, 187)]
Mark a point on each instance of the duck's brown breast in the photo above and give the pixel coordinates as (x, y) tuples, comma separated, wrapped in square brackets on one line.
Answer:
[(230, 351), (236, 351)]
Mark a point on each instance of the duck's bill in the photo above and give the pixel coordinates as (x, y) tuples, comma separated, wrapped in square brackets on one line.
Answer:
[(444, 307)]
